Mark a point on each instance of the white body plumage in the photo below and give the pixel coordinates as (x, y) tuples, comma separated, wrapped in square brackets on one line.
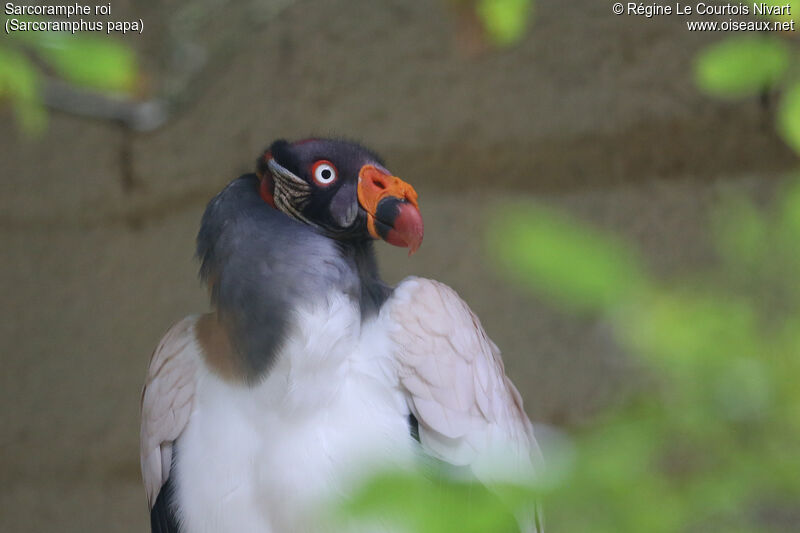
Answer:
[(263, 457)]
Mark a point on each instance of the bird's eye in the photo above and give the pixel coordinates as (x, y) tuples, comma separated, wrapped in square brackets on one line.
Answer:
[(324, 172)]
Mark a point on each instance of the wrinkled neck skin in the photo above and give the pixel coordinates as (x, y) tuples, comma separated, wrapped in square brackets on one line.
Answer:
[(261, 265), (373, 291)]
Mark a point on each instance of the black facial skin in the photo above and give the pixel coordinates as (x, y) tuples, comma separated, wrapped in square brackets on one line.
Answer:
[(329, 204), (262, 264)]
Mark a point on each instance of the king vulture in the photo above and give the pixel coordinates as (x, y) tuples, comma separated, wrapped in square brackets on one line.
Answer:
[(310, 370)]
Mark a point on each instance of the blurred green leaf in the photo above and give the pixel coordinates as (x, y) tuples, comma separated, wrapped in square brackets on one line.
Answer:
[(742, 389), (86, 60), (740, 232), (789, 117), (790, 13), (504, 20), (98, 63), (438, 504), (742, 66), (710, 441), (715, 433), (19, 82), (685, 328), (564, 260), (789, 212)]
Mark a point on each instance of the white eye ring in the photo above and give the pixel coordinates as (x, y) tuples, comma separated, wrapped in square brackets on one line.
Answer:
[(324, 172)]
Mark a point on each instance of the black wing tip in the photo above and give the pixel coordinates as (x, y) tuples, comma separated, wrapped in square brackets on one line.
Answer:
[(162, 515), (413, 427)]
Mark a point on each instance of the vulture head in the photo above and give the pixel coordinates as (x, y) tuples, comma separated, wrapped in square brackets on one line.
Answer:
[(342, 189)]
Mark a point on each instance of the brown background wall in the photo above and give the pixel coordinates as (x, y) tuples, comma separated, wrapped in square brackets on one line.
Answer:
[(591, 112)]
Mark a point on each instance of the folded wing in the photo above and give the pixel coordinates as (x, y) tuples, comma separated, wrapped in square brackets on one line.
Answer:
[(469, 412), (167, 401)]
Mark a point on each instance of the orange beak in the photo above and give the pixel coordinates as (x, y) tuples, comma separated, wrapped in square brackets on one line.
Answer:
[(392, 210)]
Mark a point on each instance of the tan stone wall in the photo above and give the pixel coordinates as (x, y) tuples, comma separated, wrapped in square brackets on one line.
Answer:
[(591, 112)]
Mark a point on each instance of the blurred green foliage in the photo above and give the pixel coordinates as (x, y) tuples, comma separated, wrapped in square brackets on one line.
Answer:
[(100, 63), (558, 262), (713, 442), (789, 117), (744, 66), (86, 60), (19, 83), (503, 21), (710, 441), (434, 504)]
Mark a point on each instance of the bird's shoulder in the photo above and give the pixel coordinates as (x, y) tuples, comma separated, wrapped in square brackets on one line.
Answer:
[(452, 370), (428, 318), (469, 413), (431, 307)]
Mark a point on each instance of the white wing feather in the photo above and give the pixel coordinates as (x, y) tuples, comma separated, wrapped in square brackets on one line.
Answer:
[(469, 412), (167, 401)]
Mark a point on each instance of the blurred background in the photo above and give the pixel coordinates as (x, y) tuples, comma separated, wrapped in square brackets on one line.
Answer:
[(562, 103)]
